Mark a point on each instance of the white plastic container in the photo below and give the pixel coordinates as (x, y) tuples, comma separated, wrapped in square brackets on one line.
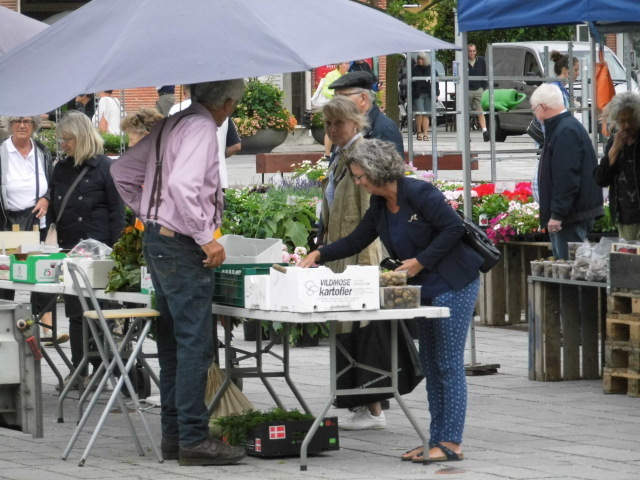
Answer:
[(241, 250), (96, 270)]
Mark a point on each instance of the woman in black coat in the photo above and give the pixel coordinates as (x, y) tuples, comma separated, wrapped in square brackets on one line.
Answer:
[(418, 227), (94, 209)]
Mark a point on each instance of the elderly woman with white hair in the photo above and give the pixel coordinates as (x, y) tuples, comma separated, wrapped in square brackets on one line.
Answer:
[(25, 171), (619, 168), (94, 209), (26, 168)]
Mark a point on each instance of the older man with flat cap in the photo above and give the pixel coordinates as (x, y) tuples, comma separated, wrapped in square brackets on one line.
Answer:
[(357, 87)]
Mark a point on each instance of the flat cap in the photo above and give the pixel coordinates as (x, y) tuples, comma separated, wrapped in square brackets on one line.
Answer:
[(354, 80)]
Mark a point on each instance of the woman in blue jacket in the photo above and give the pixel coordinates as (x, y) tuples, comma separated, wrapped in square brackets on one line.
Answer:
[(419, 227)]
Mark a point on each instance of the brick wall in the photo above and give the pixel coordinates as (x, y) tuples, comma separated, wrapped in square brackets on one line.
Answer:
[(11, 4), (611, 41)]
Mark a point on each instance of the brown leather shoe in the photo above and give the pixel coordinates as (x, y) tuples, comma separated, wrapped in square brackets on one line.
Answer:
[(210, 451), (170, 448)]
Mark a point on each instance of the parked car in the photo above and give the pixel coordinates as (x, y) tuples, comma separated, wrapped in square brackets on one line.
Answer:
[(525, 59)]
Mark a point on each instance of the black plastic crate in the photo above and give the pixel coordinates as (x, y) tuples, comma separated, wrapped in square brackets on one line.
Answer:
[(281, 439)]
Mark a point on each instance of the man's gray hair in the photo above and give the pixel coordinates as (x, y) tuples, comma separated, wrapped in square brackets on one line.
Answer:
[(619, 103), (549, 95), (214, 94), (380, 161), (37, 121)]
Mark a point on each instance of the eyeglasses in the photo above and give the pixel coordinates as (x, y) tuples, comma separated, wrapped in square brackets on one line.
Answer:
[(357, 178), (533, 110), (67, 140), (25, 121)]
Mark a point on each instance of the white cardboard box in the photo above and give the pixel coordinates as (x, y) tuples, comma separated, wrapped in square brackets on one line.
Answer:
[(257, 292), (321, 290), (241, 250), (96, 270)]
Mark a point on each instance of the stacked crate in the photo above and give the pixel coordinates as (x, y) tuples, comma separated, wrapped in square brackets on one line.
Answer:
[(622, 347)]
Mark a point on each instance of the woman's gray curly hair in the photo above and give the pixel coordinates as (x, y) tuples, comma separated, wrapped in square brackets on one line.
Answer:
[(380, 161), (619, 103)]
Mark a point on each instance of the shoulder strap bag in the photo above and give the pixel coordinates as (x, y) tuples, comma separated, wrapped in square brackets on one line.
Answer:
[(52, 232), (477, 239)]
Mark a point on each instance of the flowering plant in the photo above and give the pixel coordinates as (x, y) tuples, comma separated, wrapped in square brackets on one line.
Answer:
[(312, 170), (261, 107), (293, 258), (497, 232), (127, 254)]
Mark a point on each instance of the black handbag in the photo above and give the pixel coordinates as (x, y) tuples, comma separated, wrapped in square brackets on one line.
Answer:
[(478, 240), (535, 131), (371, 345)]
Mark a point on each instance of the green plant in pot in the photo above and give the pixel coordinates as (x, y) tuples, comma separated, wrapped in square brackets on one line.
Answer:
[(262, 107), (317, 127)]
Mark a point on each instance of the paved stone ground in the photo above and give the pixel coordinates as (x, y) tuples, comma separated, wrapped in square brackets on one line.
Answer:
[(516, 428)]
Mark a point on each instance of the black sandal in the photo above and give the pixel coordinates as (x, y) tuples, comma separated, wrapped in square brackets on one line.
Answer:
[(406, 458), (449, 455)]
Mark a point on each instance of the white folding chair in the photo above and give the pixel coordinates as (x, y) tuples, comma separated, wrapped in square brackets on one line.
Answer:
[(112, 361)]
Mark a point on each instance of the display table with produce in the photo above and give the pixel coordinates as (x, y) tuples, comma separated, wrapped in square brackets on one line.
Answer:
[(334, 318)]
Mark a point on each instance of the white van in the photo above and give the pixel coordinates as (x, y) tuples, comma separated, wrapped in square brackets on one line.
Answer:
[(525, 59)]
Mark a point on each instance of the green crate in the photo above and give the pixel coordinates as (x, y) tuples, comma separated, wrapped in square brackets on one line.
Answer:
[(229, 281)]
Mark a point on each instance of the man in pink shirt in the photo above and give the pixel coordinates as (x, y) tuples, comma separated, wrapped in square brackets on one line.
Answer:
[(181, 205)]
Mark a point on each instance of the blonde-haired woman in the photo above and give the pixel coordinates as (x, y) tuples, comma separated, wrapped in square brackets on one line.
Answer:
[(94, 208), (138, 125)]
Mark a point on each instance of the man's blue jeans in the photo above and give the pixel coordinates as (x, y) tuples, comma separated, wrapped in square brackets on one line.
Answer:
[(570, 232), (184, 292)]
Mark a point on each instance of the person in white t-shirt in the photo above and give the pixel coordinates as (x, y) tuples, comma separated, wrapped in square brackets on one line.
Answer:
[(107, 116), (184, 104)]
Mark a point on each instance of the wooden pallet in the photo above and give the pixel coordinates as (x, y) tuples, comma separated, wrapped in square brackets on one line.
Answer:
[(621, 380), (623, 303), (623, 328), (622, 354)]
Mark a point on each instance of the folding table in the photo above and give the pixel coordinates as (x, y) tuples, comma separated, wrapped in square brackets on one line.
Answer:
[(333, 317)]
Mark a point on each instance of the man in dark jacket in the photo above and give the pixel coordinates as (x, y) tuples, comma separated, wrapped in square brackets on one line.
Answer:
[(570, 199), (619, 169), (356, 86)]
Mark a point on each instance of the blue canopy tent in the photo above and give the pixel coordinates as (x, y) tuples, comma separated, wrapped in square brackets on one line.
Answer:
[(492, 14), (607, 16)]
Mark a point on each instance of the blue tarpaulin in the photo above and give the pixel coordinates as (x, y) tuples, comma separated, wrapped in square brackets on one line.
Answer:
[(492, 14)]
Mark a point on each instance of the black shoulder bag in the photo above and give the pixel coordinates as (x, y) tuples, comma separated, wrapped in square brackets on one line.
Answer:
[(478, 240)]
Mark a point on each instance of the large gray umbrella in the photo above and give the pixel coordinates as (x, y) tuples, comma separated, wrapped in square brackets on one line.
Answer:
[(16, 28), (113, 44)]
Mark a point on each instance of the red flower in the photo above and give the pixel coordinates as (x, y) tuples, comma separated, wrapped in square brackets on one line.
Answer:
[(485, 189)]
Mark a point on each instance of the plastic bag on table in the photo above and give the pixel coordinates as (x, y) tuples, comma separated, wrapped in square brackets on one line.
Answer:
[(599, 265), (232, 403), (91, 249), (583, 259)]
